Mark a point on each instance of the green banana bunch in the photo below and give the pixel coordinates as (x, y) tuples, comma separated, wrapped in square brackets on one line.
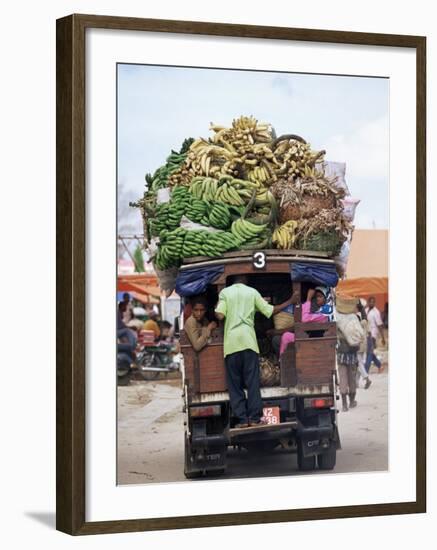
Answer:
[(245, 231), (181, 243), (196, 210), (173, 162), (219, 216), (179, 202), (216, 244), (227, 190), (204, 188)]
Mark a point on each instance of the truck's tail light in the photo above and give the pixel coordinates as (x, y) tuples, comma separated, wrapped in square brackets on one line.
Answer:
[(318, 402), (205, 410)]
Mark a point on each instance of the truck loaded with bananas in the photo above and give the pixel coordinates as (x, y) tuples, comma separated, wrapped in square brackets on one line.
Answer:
[(243, 188)]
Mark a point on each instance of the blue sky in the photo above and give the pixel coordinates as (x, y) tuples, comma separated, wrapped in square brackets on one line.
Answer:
[(158, 107)]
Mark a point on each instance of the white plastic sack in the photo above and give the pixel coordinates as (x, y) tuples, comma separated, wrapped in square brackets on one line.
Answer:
[(163, 195), (335, 170), (152, 247), (167, 278), (351, 328), (349, 206), (189, 225), (342, 259)]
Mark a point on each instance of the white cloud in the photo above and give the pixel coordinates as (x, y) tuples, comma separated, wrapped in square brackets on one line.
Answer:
[(365, 151)]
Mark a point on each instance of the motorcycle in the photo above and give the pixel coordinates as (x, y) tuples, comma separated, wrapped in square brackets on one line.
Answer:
[(151, 360)]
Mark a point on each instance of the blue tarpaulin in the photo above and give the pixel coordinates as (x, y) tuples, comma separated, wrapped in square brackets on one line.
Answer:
[(194, 281), (317, 273)]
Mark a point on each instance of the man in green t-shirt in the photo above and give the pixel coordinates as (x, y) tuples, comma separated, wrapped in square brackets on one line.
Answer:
[(237, 304)]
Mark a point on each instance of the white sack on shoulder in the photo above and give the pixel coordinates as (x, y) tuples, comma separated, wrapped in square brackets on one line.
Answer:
[(351, 328)]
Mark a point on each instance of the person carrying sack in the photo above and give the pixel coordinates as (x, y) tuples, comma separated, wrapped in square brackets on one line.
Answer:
[(349, 336)]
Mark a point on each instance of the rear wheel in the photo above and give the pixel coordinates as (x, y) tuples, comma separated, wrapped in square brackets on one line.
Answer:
[(189, 474), (123, 372), (305, 463), (148, 360), (326, 461)]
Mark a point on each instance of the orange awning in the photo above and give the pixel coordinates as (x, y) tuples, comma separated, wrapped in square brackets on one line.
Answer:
[(364, 287), (141, 283)]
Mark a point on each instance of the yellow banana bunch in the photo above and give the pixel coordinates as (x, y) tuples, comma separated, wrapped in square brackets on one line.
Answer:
[(285, 235), (258, 174), (292, 157), (263, 198)]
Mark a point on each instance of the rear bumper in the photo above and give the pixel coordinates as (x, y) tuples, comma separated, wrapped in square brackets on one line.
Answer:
[(267, 393)]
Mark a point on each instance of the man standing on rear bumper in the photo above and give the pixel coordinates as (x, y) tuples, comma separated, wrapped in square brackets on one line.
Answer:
[(237, 305)]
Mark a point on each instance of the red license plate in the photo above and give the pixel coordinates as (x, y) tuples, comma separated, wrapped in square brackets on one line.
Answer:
[(272, 415)]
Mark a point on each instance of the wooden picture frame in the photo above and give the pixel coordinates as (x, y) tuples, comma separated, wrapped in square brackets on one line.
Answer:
[(71, 253)]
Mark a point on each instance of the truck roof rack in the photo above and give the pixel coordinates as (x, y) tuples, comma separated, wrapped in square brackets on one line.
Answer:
[(240, 256)]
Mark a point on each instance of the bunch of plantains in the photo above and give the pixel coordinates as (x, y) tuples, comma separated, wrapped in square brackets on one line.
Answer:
[(182, 243), (251, 236)]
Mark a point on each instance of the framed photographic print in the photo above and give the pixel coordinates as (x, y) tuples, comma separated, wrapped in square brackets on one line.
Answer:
[(237, 208)]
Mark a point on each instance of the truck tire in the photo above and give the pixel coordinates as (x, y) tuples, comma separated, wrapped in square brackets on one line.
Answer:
[(189, 474), (326, 461), (123, 380), (305, 463)]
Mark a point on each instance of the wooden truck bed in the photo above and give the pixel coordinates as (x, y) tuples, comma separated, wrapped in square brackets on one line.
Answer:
[(306, 367)]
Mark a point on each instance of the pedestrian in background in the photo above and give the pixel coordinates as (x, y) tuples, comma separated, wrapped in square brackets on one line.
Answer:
[(151, 323), (350, 334), (128, 308), (362, 351), (376, 328)]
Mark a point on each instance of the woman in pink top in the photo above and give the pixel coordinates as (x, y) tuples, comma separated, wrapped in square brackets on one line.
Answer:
[(318, 297)]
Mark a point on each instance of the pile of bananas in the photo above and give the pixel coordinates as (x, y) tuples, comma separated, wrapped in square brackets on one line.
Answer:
[(181, 243), (247, 150), (285, 235), (239, 181)]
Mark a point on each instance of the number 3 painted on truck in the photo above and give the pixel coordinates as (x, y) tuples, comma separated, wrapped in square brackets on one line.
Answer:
[(259, 260)]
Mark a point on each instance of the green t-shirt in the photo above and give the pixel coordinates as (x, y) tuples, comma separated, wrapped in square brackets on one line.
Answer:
[(238, 303)]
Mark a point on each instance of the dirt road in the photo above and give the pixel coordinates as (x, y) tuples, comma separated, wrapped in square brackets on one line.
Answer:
[(150, 436)]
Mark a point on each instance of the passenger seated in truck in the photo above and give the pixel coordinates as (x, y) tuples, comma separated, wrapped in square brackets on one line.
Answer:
[(197, 327), (314, 310)]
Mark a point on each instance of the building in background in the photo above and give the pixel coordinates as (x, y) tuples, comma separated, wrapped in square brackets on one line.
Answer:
[(367, 268)]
